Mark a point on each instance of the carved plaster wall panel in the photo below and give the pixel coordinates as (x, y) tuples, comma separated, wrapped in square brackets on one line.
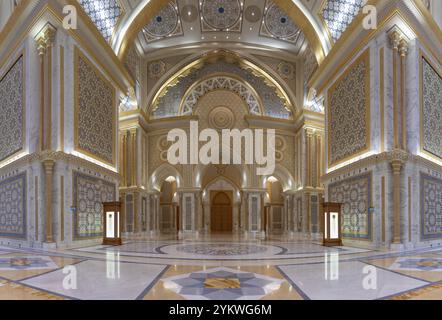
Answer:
[(88, 195), (355, 194), (349, 112), (13, 207), (12, 110), (430, 207), (431, 109), (95, 114)]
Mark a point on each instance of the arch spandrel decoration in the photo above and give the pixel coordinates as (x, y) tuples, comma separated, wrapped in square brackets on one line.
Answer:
[(245, 91), (277, 103)]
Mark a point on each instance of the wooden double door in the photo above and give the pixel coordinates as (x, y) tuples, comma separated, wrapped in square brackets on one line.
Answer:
[(221, 212)]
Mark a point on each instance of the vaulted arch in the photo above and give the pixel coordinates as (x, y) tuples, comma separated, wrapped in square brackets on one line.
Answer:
[(132, 24)]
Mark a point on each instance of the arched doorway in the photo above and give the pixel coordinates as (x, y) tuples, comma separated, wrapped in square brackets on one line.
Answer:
[(168, 209), (221, 212)]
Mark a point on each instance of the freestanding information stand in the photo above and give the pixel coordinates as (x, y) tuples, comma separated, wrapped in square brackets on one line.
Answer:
[(112, 223), (332, 224)]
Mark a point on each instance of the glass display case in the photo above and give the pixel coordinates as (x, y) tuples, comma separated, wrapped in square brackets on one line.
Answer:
[(332, 224), (112, 223)]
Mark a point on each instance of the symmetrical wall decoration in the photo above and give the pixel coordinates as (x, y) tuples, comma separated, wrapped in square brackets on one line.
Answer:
[(104, 14), (156, 69), (89, 194), (13, 207), (12, 111), (167, 23), (221, 15), (221, 118), (221, 82), (168, 105), (280, 148), (95, 111), (355, 195), (349, 112), (338, 14), (430, 207), (278, 25), (286, 70), (431, 139)]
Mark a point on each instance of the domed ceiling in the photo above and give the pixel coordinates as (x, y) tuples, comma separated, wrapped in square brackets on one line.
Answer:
[(257, 22), (250, 22)]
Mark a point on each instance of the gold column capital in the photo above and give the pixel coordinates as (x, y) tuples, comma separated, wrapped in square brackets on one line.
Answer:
[(395, 38), (403, 47), (397, 166), (49, 166), (45, 39)]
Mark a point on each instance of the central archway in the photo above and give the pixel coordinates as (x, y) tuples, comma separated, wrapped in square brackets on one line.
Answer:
[(221, 212)]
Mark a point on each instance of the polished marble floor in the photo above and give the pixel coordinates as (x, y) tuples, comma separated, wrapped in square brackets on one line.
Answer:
[(219, 269)]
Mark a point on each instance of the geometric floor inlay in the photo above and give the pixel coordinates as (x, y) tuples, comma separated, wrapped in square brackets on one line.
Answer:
[(221, 249), (222, 284), (417, 264), (27, 263)]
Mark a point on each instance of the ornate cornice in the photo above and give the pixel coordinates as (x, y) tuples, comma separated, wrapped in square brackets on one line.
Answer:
[(56, 156), (385, 157)]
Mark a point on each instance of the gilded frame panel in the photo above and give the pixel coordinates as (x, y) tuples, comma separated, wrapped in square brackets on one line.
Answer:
[(364, 57), (77, 55)]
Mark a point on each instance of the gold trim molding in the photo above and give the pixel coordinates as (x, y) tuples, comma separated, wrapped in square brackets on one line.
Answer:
[(229, 57)]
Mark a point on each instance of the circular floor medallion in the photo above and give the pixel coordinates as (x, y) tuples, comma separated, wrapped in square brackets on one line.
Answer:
[(221, 249)]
